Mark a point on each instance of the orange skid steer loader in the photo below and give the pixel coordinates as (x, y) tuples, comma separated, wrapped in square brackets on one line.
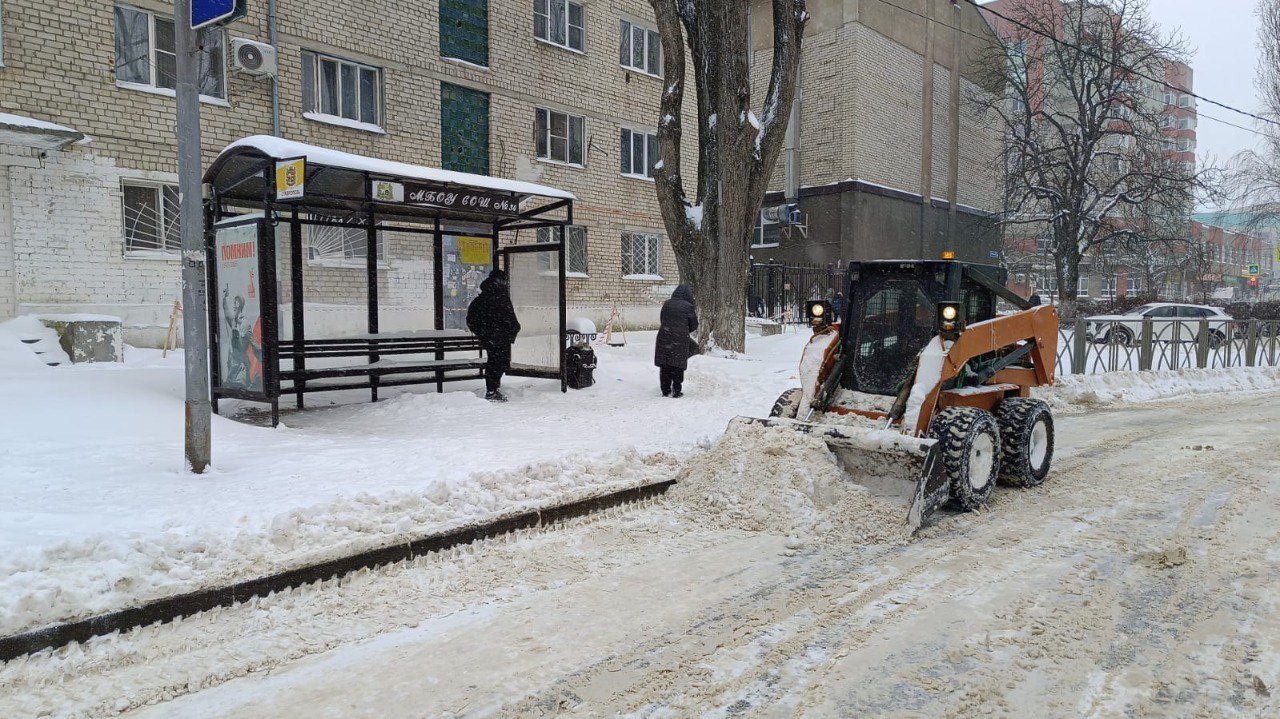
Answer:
[(921, 390)]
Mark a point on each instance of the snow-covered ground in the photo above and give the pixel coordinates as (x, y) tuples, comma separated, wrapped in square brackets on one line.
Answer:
[(99, 512), (100, 515)]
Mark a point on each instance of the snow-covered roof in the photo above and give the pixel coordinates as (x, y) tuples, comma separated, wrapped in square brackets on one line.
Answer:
[(281, 148), (30, 132)]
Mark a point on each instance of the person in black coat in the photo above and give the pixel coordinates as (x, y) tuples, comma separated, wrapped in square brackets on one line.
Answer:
[(492, 318), (671, 353)]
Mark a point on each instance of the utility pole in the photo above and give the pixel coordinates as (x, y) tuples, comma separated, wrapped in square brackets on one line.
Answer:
[(195, 335)]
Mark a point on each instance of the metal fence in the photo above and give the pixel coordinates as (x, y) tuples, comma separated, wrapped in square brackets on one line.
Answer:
[(1092, 347), (778, 292)]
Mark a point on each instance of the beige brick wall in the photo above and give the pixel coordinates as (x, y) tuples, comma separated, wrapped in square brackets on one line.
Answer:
[(59, 58), (862, 107)]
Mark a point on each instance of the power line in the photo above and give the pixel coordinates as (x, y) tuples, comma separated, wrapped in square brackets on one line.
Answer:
[(1096, 56)]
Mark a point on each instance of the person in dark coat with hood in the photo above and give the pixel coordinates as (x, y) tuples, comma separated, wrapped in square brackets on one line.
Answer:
[(671, 353), (492, 318)]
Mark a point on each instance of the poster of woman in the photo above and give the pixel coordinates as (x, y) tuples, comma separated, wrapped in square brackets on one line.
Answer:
[(240, 309)]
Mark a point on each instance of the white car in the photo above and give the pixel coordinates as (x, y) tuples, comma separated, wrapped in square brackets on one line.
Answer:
[(1124, 329)]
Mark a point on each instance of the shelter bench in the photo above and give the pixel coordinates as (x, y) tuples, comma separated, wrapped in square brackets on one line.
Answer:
[(389, 360)]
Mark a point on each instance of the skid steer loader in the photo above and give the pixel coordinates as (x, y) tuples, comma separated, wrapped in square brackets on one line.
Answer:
[(921, 390)]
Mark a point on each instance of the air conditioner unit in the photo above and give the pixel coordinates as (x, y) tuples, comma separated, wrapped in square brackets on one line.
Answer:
[(788, 214), (253, 58)]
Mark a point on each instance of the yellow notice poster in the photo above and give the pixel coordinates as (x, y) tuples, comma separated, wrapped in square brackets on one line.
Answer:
[(290, 175), (473, 250)]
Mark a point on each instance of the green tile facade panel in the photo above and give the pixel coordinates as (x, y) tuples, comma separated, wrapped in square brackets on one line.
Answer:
[(464, 129), (464, 30)]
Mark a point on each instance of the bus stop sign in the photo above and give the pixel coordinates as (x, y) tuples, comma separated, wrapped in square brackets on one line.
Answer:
[(216, 12)]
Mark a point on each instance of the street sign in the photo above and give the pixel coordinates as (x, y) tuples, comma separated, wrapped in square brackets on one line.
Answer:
[(291, 177), (994, 253), (1254, 269), (216, 12)]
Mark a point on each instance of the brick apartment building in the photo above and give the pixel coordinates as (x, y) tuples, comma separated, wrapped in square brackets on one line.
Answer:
[(882, 125), (557, 92)]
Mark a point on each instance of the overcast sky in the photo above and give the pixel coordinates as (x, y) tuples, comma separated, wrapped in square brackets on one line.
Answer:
[(1222, 35)]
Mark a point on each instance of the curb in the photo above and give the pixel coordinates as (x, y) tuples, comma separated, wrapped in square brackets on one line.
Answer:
[(170, 608)]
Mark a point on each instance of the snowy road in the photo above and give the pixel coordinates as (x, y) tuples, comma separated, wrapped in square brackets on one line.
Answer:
[(1140, 580)]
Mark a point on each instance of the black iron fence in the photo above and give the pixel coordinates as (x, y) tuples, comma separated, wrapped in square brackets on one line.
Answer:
[(778, 292), (1092, 347)]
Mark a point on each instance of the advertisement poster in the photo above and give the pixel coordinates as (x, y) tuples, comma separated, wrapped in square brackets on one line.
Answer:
[(466, 264), (239, 309)]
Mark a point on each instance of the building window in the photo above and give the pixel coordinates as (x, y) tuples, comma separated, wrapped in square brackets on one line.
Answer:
[(341, 89), (1186, 144), (1168, 98), (334, 244), (639, 153), (1133, 285), (151, 218), (639, 48), (464, 30), (1186, 123), (146, 56), (1185, 101), (1047, 284), (559, 22), (766, 234), (464, 129), (1044, 244), (558, 136), (575, 250), (1082, 287), (640, 254)]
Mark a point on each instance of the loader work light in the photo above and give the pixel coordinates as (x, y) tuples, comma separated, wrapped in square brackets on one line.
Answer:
[(817, 312), (949, 320)]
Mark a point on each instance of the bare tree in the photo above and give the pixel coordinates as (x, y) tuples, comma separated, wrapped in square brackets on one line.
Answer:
[(1254, 176), (710, 230), (1084, 136)]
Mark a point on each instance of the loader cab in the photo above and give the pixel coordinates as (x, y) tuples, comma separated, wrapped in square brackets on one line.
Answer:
[(891, 312)]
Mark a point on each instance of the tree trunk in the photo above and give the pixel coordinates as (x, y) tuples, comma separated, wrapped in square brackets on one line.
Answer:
[(736, 153), (1067, 266)]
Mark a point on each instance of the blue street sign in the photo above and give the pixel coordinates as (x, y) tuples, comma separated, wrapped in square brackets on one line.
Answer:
[(994, 253), (213, 12)]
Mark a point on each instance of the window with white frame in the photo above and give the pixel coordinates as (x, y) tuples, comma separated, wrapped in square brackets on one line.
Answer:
[(1186, 123), (1186, 144), (1082, 287), (1133, 285), (639, 48), (767, 234), (640, 254), (639, 153), (560, 22), (334, 243), (146, 56), (575, 247), (1044, 244), (1185, 101), (1046, 283), (151, 218), (559, 136), (1169, 98), (1109, 287), (341, 89), (1166, 122)]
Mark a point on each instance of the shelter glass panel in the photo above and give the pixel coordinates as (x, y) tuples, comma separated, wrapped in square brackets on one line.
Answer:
[(535, 293)]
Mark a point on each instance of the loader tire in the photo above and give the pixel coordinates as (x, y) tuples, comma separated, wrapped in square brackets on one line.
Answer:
[(788, 404), (1026, 434), (970, 440)]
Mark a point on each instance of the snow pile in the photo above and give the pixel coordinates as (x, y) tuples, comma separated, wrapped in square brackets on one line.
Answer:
[(76, 579), (1124, 387), (777, 480), (17, 355)]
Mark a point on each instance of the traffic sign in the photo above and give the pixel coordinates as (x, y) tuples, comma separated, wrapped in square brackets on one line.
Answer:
[(216, 12), (1254, 269)]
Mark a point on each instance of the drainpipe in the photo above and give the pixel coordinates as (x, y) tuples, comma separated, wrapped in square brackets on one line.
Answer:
[(791, 146), (275, 81)]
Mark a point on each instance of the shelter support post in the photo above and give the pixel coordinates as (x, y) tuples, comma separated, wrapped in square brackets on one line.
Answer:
[(371, 272)]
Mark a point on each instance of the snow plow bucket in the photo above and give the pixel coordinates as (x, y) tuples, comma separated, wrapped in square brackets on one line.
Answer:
[(891, 465)]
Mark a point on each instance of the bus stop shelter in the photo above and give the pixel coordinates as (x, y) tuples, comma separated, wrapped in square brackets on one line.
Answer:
[(333, 271)]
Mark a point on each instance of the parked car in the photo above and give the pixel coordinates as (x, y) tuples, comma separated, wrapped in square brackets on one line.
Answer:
[(1123, 329)]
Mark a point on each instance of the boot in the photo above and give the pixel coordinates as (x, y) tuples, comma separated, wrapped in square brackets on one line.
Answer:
[(495, 396)]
